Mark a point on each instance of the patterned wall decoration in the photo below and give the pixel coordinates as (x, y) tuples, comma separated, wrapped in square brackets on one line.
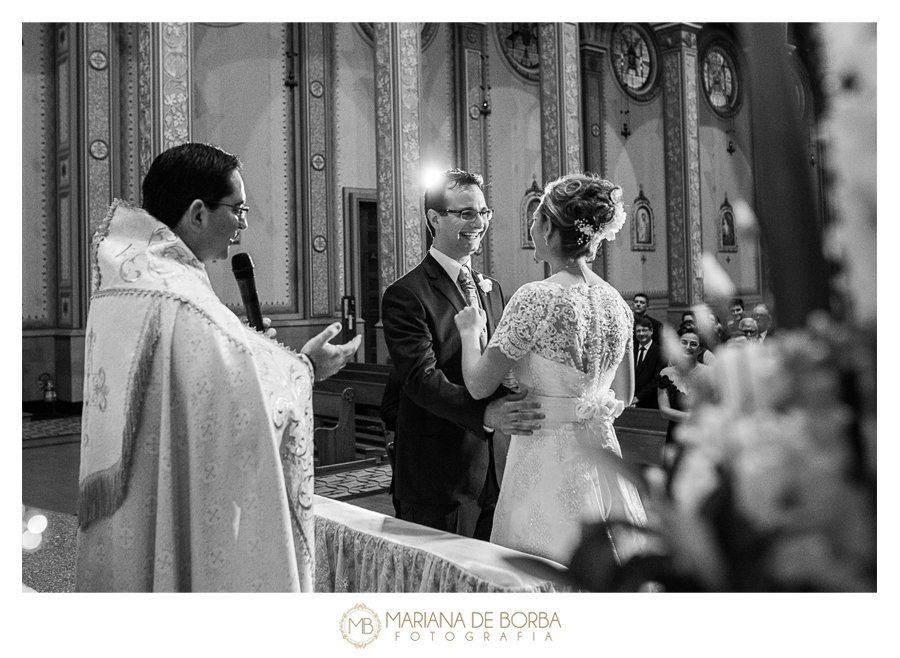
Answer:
[(38, 172), (176, 98), (472, 120), (145, 99), (128, 184), (99, 129), (550, 87), (560, 100), (318, 210), (397, 146), (519, 44), (408, 38), (384, 148), (682, 148)]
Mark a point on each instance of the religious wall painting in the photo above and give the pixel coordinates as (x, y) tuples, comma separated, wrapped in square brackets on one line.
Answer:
[(727, 235), (527, 208), (635, 61), (643, 234), (721, 78), (519, 44)]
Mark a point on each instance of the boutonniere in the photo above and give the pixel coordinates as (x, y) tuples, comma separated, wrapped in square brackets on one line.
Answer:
[(486, 285)]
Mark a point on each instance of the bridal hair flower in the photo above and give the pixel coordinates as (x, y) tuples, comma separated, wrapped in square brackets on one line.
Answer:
[(593, 228)]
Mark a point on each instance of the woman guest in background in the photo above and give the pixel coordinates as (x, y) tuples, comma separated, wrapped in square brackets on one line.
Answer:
[(675, 385), (568, 340)]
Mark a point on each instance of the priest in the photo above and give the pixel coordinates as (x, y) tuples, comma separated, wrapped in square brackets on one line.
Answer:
[(197, 431)]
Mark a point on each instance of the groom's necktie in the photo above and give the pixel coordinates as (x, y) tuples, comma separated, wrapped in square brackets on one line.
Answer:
[(467, 285)]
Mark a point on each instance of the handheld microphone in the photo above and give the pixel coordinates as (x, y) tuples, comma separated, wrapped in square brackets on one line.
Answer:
[(242, 268)]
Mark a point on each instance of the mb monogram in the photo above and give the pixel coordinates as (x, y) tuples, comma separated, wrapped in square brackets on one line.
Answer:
[(360, 626)]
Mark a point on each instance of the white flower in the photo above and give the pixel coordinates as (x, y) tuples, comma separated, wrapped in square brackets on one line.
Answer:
[(486, 285), (609, 231), (603, 406), (586, 409)]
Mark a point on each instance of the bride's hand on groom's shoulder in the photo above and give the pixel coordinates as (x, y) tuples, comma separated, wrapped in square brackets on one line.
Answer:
[(471, 318)]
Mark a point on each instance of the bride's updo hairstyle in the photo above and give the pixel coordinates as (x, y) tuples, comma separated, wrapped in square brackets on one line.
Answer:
[(584, 209)]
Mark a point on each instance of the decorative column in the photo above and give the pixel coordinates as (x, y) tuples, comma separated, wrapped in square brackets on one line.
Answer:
[(324, 251), (678, 46), (397, 64), (68, 168), (473, 108), (594, 52), (560, 120), (175, 71)]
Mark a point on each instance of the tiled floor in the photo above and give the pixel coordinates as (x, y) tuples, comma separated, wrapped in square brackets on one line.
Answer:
[(51, 453)]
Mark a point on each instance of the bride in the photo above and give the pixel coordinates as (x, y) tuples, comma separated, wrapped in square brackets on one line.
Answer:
[(568, 340)]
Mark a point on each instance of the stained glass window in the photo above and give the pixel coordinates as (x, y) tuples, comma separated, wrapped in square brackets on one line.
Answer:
[(634, 60), (720, 81)]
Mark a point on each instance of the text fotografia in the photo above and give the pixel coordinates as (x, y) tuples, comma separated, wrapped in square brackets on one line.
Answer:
[(479, 626)]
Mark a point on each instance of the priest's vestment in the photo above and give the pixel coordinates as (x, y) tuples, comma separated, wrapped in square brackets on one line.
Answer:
[(197, 451)]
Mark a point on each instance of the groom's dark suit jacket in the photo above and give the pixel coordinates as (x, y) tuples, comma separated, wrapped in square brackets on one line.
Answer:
[(646, 373), (442, 451)]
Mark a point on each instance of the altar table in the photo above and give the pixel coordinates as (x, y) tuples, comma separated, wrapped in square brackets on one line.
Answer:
[(358, 550)]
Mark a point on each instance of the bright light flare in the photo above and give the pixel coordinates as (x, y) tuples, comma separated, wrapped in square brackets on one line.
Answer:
[(30, 540), (37, 524), (430, 176)]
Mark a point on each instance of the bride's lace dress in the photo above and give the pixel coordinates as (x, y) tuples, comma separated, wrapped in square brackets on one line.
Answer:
[(567, 343)]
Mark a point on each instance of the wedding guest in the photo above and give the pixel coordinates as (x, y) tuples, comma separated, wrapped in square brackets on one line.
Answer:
[(648, 361), (763, 319), (445, 474), (737, 313), (640, 304), (704, 354), (190, 480), (568, 340), (675, 385), (749, 329)]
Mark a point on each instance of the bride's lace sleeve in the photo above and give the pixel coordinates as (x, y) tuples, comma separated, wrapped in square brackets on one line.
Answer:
[(523, 321)]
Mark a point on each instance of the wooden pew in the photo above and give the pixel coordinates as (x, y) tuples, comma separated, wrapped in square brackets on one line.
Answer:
[(335, 433), (642, 435), (367, 381)]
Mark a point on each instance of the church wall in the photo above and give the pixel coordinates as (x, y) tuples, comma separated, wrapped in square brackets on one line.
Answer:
[(515, 152), (437, 135), (637, 163), (240, 103)]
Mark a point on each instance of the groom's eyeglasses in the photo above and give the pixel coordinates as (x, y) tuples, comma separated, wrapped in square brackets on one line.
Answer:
[(470, 215)]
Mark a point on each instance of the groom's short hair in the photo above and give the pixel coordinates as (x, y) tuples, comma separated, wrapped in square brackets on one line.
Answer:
[(435, 197)]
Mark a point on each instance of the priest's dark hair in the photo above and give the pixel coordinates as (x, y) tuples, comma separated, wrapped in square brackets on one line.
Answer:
[(184, 173)]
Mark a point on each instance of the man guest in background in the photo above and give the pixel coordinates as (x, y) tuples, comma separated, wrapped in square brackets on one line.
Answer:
[(640, 304), (196, 454), (737, 314), (445, 463), (763, 318), (648, 361)]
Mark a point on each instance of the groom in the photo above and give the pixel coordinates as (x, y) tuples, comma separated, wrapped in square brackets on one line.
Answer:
[(444, 475)]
